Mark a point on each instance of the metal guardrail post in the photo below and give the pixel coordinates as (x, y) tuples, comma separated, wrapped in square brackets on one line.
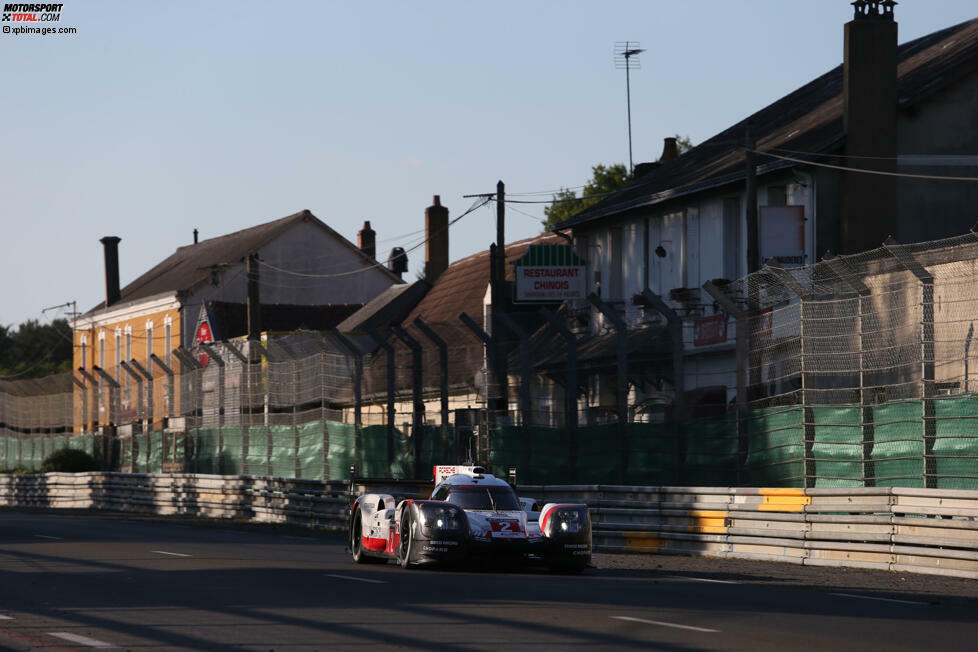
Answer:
[(621, 337), (442, 380), (571, 392), (741, 321), (384, 344), (417, 382), (927, 354)]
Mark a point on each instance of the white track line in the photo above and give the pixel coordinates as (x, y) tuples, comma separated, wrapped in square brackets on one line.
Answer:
[(662, 624), (355, 579), (869, 597), (174, 554), (2, 617), (700, 579), (81, 640), (45, 536)]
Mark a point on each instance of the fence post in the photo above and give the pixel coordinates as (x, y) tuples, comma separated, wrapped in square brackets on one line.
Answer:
[(243, 380), (850, 276), (384, 344), (621, 336), (417, 383), (570, 395), (170, 383), (221, 376), (84, 398), (730, 307), (357, 354), (487, 342), (927, 354), (442, 379), (526, 400)]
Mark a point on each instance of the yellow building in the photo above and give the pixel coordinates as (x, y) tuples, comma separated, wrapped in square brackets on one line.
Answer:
[(308, 275)]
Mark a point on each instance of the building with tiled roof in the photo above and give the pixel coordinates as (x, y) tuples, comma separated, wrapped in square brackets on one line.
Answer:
[(309, 276)]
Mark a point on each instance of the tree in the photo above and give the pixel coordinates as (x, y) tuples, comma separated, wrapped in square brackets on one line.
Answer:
[(35, 349), (605, 179), (566, 203)]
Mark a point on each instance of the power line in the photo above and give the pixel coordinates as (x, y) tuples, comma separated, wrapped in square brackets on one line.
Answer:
[(844, 168)]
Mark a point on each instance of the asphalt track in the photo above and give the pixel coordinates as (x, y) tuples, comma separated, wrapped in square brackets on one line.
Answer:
[(83, 581)]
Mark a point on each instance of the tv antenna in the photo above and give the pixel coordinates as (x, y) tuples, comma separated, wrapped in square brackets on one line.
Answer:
[(626, 56)]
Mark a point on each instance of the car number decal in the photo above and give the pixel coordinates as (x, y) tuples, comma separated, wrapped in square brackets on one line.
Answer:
[(505, 528)]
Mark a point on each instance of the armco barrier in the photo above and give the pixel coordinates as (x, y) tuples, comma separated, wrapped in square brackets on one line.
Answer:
[(919, 530)]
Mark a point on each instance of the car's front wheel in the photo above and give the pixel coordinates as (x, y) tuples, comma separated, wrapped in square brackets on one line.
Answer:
[(407, 541)]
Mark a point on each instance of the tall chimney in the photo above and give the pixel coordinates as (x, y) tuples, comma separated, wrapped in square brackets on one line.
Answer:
[(367, 240), (436, 246), (110, 245), (195, 236), (670, 150), (869, 203)]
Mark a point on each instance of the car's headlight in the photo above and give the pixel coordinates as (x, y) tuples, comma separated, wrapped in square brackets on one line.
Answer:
[(441, 517), (567, 520)]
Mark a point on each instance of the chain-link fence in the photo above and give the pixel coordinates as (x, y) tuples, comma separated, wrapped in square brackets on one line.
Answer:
[(855, 371)]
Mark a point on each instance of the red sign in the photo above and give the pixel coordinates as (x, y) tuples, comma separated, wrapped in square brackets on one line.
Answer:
[(710, 330), (203, 336)]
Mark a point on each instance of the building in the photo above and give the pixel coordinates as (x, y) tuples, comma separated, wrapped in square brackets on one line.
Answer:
[(909, 110), (303, 275)]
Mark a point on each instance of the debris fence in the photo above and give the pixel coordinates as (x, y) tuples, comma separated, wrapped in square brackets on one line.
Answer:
[(855, 371)]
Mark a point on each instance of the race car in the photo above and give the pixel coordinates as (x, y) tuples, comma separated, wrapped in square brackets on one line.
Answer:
[(471, 515)]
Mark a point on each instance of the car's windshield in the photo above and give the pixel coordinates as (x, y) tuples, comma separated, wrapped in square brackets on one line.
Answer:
[(488, 498)]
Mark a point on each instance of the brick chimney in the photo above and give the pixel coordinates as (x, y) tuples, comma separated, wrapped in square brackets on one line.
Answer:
[(110, 246), (869, 203), (670, 150), (367, 240), (436, 247)]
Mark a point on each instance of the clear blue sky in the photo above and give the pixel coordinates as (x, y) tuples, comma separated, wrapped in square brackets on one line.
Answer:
[(160, 117)]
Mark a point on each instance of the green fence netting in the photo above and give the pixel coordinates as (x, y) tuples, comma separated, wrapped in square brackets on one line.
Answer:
[(711, 452), (838, 447), (956, 443), (342, 438), (256, 460), (310, 456), (776, 447), (898, 444)]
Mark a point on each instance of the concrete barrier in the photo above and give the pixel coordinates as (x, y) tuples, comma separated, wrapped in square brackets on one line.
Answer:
[(919, 530)]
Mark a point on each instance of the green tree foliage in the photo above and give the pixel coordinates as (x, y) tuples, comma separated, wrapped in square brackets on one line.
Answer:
[(69, 460), (34, 350), (566, 203), (604, 179)]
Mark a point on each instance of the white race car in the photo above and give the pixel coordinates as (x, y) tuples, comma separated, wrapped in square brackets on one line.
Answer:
[(470, 514)]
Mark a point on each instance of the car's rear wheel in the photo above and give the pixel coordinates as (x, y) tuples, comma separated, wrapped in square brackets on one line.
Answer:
[(406, 542)]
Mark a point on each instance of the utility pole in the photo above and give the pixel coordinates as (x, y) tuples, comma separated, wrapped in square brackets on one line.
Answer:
[(624, 52)]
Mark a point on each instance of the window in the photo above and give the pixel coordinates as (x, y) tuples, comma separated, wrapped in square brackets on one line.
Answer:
[(101, 350), (731, 238), (84, 352), (616, 264), (484, 498), (118, 355), (128, 357), (168, 342), (149, 346)]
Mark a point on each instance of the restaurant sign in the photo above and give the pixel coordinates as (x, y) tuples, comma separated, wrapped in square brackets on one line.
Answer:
[(550, 273)]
